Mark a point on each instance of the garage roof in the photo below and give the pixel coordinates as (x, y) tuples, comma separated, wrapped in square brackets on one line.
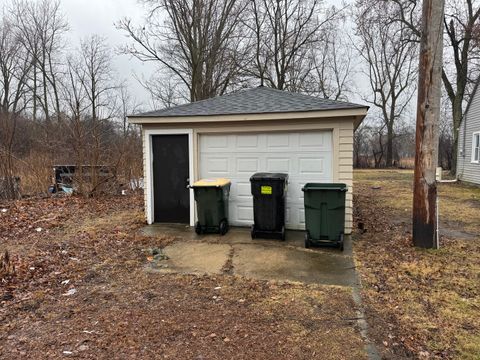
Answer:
[(253, 101)]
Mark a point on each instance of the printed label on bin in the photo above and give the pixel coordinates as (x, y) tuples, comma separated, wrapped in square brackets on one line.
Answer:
[(266, 190)]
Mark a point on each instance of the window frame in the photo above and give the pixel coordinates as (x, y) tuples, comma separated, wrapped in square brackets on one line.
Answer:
[(475, 149)]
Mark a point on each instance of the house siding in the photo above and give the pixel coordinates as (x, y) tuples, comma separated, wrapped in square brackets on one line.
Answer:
[(342, 132), (466, 170)]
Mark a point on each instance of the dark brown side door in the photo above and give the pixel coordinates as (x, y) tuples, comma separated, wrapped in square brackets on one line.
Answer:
[(170, 179)]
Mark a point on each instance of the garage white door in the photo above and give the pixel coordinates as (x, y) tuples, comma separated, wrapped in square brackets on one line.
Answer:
[(305, 156)]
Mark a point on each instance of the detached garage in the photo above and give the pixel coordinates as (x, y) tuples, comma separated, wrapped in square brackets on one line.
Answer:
[(237, 135)]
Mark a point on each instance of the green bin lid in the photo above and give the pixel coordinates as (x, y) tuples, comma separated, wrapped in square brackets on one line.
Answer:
[(325, 186), (269, 176)]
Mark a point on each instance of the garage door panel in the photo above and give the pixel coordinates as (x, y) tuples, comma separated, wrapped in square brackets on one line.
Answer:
[(306, 157), (217, 166), (309, 141), (243, 190), (295, 193), (275, 141), (216, 142), (247, 142), (311, 166), (245, 213), (301, 213), (247, 165), (281, 165), (288, 214)]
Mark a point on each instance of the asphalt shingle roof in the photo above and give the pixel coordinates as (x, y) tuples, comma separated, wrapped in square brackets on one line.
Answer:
[(253, 101)]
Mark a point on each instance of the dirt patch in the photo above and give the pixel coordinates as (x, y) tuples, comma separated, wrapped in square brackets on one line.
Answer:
[(474, 203), (80, 290), (447, 231)]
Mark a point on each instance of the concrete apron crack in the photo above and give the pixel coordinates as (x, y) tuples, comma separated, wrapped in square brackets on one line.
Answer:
[(370, 347), (228, 266)]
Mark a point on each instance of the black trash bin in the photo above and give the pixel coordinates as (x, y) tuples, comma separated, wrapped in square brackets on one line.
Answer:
[(269, 191)]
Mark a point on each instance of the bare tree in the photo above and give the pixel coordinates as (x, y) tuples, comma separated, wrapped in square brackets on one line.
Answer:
[(461, 53), (97, 81), (199, 44), (41, 27), (391, 59), (15, 65), (90, 99), (129, 149), (361, 146), (76, 104), (330, 62), (283, 33), (58, 104), (163, 90), (127, 105), (461, 24)]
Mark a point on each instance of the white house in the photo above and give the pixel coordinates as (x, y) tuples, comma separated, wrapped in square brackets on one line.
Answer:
[(468, 158)]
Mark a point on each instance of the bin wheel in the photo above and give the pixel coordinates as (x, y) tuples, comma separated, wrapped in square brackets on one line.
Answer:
[(198, 228), (340, 242), (283, 233), (307, 240), (223, 227), (252, 232)]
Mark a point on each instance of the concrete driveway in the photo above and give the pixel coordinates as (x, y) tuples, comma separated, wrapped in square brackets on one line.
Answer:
[(237, 253)]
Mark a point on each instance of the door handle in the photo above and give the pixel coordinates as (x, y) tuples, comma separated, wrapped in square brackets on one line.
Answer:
[(188, 183)]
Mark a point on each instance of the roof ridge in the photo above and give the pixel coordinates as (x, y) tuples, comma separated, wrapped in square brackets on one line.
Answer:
[(251, 100)]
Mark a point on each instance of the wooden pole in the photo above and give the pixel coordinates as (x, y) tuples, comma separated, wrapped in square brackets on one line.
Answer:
[(428, 114)]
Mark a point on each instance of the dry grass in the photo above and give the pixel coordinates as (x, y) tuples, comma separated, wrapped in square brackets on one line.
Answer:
[(420, 302), (35, 172), (320, 313), (121, 309), (459, 203)]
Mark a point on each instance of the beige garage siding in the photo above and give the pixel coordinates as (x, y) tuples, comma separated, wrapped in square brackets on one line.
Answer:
[(345, 168), (342, 129)]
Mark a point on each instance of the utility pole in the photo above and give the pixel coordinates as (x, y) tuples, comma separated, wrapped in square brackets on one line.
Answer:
[(428, 114)]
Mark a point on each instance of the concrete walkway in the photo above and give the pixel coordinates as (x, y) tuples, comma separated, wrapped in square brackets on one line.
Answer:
[(237, 253)]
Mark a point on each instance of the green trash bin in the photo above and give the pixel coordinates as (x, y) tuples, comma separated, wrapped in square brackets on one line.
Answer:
[(324, 214), (211, 196)]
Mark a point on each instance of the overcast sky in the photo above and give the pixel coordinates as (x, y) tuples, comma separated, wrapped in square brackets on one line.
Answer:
[(87, 17)]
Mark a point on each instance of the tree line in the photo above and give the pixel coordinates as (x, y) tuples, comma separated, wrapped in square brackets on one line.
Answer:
[(205, 48), (60, 103)]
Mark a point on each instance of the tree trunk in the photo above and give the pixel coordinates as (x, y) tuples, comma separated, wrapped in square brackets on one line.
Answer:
[(428, 114), (389, 158), (457, 112), (34, 94)]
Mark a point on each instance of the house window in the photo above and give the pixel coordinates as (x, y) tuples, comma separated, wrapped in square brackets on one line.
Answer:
[(476, 148)]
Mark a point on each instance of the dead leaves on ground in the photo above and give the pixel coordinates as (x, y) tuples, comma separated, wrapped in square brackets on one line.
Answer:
[(420, 303)]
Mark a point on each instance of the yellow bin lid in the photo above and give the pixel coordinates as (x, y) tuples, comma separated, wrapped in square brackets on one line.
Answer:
[(212, 182)]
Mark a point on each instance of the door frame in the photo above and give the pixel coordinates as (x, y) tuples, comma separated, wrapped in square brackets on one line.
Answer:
[(149, 133)]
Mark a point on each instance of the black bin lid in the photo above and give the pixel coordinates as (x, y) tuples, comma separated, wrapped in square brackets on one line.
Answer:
[(269, 176)]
